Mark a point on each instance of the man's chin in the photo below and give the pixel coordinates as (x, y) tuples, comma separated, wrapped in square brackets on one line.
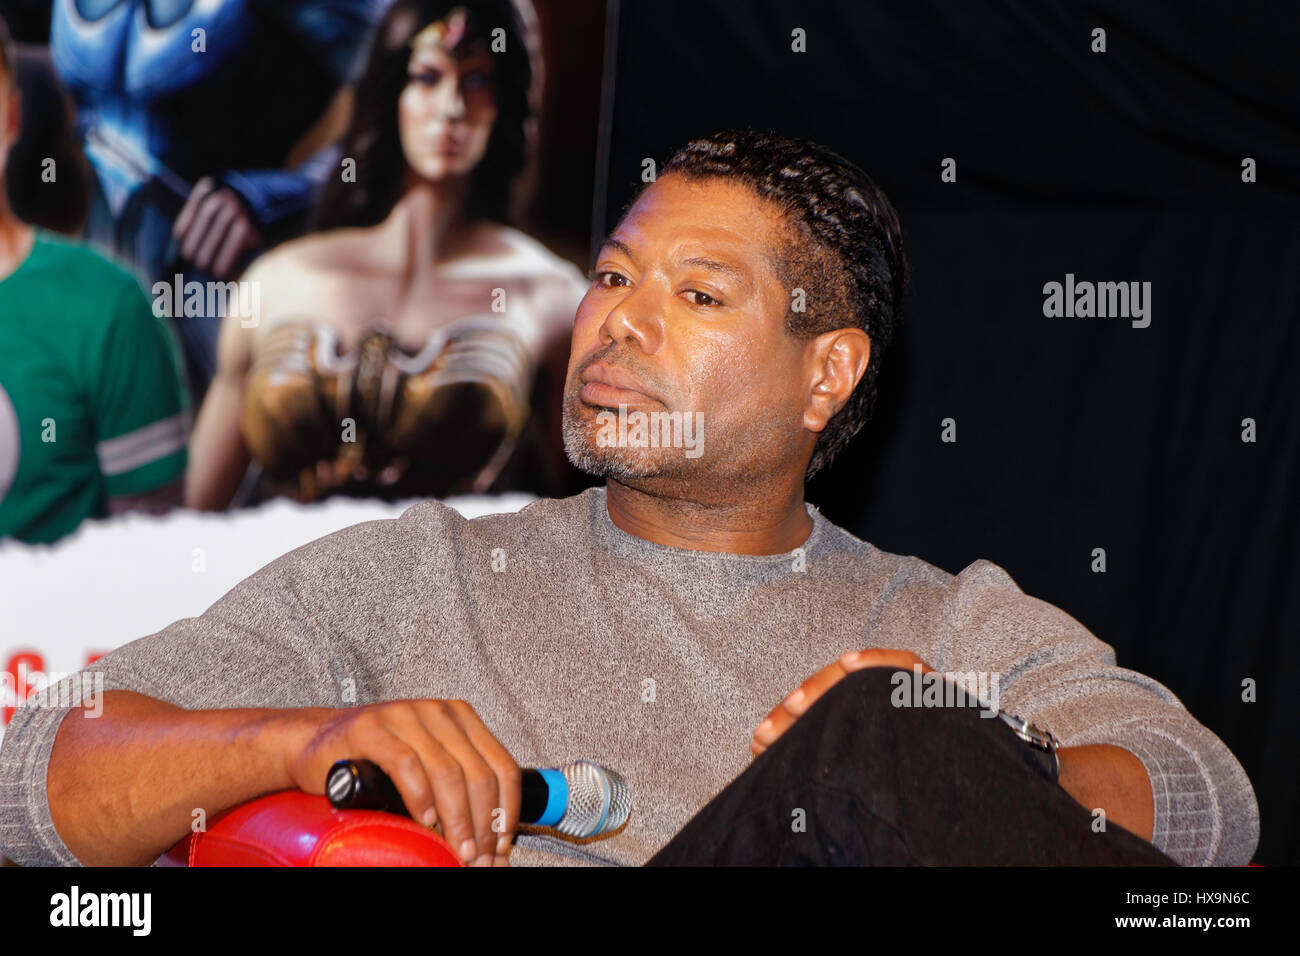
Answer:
[(580, 425), (610, 462), (617, 463)]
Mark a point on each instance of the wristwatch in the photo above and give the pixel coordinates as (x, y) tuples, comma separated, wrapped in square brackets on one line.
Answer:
[(1044, 744)]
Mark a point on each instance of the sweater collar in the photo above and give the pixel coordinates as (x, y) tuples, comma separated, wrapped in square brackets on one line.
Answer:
[(615, 539)]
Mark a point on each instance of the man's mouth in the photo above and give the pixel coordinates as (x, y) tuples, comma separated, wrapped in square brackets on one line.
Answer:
[(607, 386), (608, 396)]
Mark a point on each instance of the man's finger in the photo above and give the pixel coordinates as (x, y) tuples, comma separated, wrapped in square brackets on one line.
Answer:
[(239, 237), (810, 691), (505, 816), (405, 766), (882, 657), (196, 196), (795, 705), (773, 726), (198, 227), (807, 693), (450, 797), (218, 227), (477, 782)]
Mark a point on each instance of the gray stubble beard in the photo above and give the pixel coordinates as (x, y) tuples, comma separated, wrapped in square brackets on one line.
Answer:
[(611, 462)]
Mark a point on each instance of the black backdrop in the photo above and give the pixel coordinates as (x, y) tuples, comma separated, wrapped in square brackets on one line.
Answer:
[(1072, 433)]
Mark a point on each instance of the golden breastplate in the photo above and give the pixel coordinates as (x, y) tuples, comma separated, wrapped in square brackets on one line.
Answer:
[(386, 421)]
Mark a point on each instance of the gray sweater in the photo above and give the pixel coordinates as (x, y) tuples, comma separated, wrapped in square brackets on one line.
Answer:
[(572, 638)]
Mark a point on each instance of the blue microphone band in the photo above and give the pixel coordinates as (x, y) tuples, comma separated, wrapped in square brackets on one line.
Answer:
[(557, 799)]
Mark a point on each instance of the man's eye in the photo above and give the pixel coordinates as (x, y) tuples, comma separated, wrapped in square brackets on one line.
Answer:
[(701, 298), (609, 279)]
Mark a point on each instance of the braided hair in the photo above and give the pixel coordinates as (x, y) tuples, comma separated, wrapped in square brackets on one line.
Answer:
[(844, 248)]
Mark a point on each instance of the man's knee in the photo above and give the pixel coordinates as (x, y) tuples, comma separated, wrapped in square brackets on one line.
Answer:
[(877, 707), (856, 712), (872, 688)]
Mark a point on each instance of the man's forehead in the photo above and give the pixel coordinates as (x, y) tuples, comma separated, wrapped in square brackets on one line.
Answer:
[(698, 217)]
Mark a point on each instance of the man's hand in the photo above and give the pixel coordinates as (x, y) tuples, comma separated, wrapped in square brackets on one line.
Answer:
[(215, 229), (441, 757), (807, 693), (1096, 776)]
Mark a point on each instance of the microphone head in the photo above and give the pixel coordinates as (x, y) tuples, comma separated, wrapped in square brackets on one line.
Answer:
[(599, 801)]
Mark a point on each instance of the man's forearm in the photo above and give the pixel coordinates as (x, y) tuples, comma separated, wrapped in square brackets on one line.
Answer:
[(123, 786), (1112, 779)]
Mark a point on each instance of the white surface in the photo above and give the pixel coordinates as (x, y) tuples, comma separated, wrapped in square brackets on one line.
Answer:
[(118, 580)]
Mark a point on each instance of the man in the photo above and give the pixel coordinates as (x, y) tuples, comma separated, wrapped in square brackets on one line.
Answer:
[(650, 624), (92, 406)]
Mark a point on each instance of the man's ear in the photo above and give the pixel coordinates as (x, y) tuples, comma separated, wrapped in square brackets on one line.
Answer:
[(835, 362)]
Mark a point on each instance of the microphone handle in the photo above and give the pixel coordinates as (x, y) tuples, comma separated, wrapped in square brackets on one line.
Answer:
[(362, 785)]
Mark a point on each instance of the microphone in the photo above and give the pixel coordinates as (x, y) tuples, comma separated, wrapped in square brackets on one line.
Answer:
[(581, 799)]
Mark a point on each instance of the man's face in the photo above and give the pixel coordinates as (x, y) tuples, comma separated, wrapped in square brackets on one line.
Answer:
[(686, 304)]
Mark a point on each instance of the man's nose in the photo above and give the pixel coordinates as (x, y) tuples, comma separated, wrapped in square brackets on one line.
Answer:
[(635, 320)]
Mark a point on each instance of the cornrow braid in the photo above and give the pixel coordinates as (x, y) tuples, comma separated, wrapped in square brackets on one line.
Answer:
[(845, 248)]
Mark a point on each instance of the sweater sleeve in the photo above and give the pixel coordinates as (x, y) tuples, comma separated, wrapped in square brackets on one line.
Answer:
[(317, 627), (1053, 672)]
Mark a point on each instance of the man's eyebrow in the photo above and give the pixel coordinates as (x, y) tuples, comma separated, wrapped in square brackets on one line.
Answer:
[(716, 265), (618, 244), (703, 262)]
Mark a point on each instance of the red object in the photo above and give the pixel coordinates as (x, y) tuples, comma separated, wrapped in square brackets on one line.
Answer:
[(292, 828), (20, 667)]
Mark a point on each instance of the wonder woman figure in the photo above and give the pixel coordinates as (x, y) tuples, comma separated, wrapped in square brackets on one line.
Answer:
[(395, 351)]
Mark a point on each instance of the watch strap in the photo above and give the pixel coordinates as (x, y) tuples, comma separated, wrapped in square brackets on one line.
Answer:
[(1042, 746)]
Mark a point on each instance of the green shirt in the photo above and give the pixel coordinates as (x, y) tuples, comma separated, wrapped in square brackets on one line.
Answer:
[(92, 401)]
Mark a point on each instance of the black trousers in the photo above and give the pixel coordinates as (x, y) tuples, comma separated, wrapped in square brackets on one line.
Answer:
[(858, 782)]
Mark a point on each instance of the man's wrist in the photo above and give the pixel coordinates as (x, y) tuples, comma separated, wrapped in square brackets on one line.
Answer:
[(280, 737), (1111, 779), (1042, 745)]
